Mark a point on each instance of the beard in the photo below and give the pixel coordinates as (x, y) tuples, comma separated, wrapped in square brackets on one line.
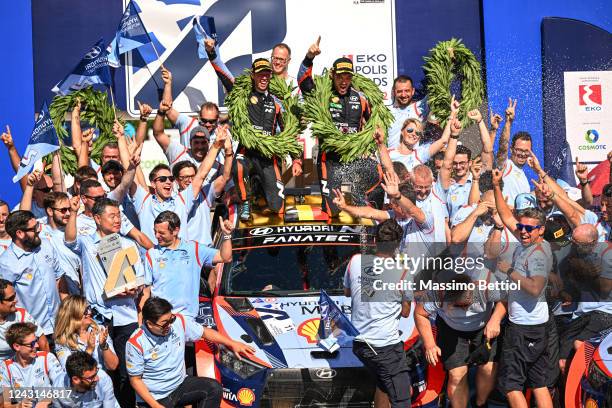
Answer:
[(32, 243)]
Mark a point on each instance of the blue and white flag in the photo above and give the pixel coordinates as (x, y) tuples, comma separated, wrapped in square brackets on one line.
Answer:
[(42, 142), (130, 35), (204, 28), (561, 167), (334, 327), (93, 69)]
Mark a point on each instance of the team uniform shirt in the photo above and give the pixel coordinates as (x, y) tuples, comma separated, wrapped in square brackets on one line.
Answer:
[(458, 195), (86, 225), (98, 170), (121, 309), (418, 239), (19, 316), (126, 205), (174, 274), (175, 153), (198, 219), (515, 182), (68, 261), (34, 276), (38, 212), (102, 396), (377, 319), (591, 301), (4, 243), (148, 207), (63, 351), (419, 155), (44, 371), (160, 360), (473, 318), (434, 204), (416, 110), (530, 261)]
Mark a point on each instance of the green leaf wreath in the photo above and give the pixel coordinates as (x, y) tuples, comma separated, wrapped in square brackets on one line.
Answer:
[(281, 144), (98, 113), (445, 60), (348, 146)]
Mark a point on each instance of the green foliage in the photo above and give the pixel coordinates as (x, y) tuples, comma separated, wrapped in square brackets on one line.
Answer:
[(97, 112), (348, 146), (445, 60)]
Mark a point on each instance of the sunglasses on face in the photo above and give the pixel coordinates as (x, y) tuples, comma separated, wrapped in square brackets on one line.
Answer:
[(35, 228), (44, 190), (94, 198), (413, 130), (10, 299), (163, 179), (186, 178), (88, 311), (165, 325), (209, 121), (528, 228), (31, 344), (62, 210)]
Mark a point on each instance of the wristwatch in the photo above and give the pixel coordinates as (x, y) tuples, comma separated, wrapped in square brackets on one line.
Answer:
[(104, 346), (584, 183), (509, 271), (500, 228)]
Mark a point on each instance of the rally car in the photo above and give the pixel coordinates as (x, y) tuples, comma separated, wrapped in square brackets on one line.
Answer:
[(268, 297), (589, 378)]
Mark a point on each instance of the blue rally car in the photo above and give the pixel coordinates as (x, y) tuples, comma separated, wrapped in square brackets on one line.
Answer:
[(268, 297)]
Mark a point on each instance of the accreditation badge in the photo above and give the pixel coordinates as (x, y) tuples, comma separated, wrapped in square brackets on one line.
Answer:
[(254, 99)]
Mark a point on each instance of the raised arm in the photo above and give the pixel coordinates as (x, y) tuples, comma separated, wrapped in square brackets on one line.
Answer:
[(161, 137), (305, 81), (383, 152), (141, 130), (487, 146), (495, 120), (75, 126), (361, 211), (83, 153), (220, 182), (28, 191), (209, 160), (70, 233), (223, 73), (476, 170), (500, 203), (504, 141), (582, 173), (56, 173), (7, 139), (133, 152), (573, 216), (461, 232), (453, 130), (391, 187)]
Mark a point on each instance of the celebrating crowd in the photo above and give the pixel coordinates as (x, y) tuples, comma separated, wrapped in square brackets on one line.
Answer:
[(428, 191)]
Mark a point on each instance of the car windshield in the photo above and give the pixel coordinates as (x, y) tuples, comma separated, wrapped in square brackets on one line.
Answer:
[(291, 270)]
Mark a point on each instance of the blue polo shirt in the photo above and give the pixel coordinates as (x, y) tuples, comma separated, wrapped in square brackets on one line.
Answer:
[(458, 195), (68, 261), (44, 371), (101, 396), (34, 275), (174, 274), (121, 309), (160, 360)]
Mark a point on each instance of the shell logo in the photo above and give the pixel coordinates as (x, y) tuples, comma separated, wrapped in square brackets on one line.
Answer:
[(245, 396), (591, 403), (309, 329)]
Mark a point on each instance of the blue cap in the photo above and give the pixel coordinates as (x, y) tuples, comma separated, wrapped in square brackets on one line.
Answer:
[(524, 201)]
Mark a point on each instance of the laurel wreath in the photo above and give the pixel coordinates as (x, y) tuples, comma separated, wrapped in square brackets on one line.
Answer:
[(355, 145), (98, 113), (446, 60), (279, 145)]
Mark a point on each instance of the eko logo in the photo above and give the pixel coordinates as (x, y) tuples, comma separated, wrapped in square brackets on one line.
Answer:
[(589, 95)]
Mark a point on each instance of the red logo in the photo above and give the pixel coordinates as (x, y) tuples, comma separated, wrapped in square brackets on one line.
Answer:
[(589, 95)]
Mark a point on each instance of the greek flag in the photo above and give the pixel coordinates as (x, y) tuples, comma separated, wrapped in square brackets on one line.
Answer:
[(130, 35), (334, 326), (42, 142), (93, 69), (204, 28)]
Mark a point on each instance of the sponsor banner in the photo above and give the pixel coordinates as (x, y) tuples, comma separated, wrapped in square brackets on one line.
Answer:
[(588, 113), (249, 30), (301, 235)]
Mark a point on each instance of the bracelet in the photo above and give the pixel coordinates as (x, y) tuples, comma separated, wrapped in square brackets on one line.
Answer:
[(398, 197), (509, 271), (544, 176), (231, 153), (226, 237), (161, 113), (104, 346), (584, 183), (479, 122), (143, 118), (454, 136), (498, 228)]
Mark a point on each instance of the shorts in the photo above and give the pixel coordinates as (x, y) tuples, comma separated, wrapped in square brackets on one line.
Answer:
[(524, 359), (463, 348), (582, 328), (390, 367)]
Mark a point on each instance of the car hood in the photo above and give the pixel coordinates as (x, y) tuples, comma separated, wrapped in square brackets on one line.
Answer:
[(283, 330)]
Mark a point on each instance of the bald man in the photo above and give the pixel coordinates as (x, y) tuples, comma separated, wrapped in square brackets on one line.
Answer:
[(587, 279)]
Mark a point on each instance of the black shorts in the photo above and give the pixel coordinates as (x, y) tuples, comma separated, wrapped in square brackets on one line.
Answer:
[(582, 328), (390, 367), (463, 348), (525, 358)]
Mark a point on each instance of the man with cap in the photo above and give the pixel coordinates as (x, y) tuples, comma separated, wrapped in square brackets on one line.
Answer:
[(264, 110), (349, 110)]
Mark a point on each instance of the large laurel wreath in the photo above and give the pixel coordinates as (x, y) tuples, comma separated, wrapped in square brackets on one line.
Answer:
[(98, 113), (281, 144), (348, 146), (445, 60)]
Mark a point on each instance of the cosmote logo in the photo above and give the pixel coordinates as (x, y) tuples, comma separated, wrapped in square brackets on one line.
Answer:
[(591, 137), (589, 96)]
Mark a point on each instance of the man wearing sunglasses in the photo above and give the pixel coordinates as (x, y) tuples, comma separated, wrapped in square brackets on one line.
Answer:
[(90, 386), (156, 359), (32, 266), (57, 207), (30, 368), (9, 314), (525, 358)]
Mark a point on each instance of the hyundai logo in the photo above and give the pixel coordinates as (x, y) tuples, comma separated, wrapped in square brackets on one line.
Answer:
[(261, 231), (325, 373), (93, 53)]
